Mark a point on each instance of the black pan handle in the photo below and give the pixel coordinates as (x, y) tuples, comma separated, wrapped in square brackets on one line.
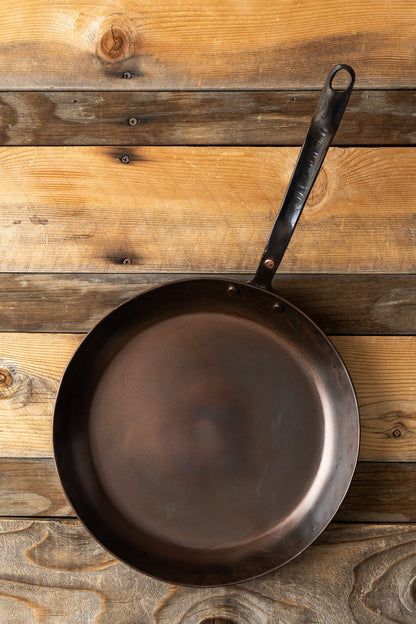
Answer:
[(324, 124)]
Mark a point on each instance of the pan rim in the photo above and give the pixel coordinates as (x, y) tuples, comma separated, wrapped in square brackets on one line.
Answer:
[(224, 282)]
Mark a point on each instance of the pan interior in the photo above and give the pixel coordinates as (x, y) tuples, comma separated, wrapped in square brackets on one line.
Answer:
[(207, 430)]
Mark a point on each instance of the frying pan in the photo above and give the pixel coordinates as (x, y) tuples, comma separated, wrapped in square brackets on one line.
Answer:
[(206, 431)]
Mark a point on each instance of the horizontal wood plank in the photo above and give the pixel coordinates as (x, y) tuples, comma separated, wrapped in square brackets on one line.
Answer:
[(339, 304), (198, 118), (383, 370), (350, 574), (193, 209), (379, 492), (197, 45), (31, 487)]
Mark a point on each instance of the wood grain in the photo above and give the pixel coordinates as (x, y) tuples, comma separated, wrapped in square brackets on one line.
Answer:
[(56, 572), (379, 492), (53, 571), (339, 304), (190, 209), (197, 45), (383, 370), (30, 370), (362, 575), (198, 118), (31, 487)]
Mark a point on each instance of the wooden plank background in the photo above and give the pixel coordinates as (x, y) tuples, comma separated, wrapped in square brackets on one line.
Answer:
[(208, 103), (209, 209), (190, 44), (243, 117)]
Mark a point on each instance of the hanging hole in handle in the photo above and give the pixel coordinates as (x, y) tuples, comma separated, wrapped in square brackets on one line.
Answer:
[(341, 80)]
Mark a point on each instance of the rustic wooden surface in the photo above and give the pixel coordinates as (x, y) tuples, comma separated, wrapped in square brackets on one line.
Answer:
[(177, 209), (222, 94), (195, 44), (373, 117), (379, 492), (353, 574), (339, 304), (383, 370)]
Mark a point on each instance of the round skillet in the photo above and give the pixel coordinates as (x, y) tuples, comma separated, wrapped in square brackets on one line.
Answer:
[(206, 431)]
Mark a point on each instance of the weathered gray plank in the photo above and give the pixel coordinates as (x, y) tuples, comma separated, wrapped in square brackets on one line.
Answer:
[(339, 304), (379, 492), (198, 118), (53, 571)]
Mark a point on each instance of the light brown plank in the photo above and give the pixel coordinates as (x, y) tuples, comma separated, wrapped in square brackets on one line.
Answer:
[(31, 487), (198, 118), (379, 492), (173, 209), (195, 44), (339, 304), (55, 570), (383, 370), (31, 366)]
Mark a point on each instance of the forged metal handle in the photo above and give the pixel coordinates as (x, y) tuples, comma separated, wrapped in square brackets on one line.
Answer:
[(324, 124)]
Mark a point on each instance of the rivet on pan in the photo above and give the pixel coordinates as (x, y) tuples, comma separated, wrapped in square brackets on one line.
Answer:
[(125, 159), (278, 307), (133, 121), (232, 290), (397, 433), (269, 263)]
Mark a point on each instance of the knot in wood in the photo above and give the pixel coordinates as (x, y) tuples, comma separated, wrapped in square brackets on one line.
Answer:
[(114, 44), (16, 386), (397, 429), (118, 37), (6, 378)]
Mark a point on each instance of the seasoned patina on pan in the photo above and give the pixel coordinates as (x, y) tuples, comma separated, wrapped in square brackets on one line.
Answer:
[(206, 431)]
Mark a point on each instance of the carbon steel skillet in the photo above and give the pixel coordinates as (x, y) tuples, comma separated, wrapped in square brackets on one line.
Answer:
[(206, 431)]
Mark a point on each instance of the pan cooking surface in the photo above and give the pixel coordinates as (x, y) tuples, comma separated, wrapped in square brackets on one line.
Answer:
[(208, 429)]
